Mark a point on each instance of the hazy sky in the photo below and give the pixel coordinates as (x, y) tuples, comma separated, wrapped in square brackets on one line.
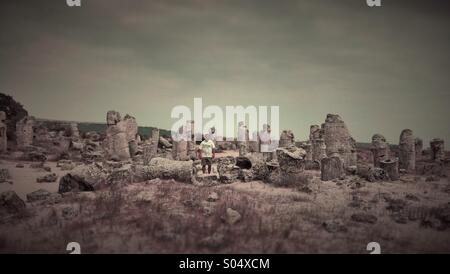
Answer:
[(382, 69)]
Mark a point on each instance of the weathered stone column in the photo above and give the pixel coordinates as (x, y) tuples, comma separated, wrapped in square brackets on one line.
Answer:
[(286, 138), (338, 139), (191, 150), (148, 152), (24, 132), (380, 149), (3, 128), (331, 168), (243, 149), (116, 141), (74, 132), (155, 139), (179, 150), (318, 149), (308, 149), (419, 148), (437, 150), (390, 166), (131, 127), (407, 151)]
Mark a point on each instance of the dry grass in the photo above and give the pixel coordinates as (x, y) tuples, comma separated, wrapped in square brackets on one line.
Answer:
[(171, 217)]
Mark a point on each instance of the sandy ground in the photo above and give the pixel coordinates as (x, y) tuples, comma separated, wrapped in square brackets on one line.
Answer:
[(24, 179)]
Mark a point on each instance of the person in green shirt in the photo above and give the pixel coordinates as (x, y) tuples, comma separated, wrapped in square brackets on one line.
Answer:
[(206, 152)]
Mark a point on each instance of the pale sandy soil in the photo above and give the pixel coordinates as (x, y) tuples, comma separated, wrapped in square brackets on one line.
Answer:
[(24, 179)]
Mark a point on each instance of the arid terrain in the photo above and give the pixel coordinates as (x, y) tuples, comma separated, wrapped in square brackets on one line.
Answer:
[(409, 215), (119, 192)]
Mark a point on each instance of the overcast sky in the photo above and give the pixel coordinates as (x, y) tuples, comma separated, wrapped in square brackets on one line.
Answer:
[(382, 69)]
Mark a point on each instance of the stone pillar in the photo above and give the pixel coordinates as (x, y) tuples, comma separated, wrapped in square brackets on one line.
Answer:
[(148, 152), (308, 148), (131, 127), (419, 148), (338, 139), (155, 139), (318, 149), (116, 142), (390, 166), (191, 150), (331, 168), (243, 149), (286, 138), (315, 132), (437, 150), (74, 132), (179, 150), (3, 128), (407, 151), (24, 132), (380, 149)]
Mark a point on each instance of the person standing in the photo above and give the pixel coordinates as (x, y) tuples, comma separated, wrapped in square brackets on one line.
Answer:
[(206, 153)]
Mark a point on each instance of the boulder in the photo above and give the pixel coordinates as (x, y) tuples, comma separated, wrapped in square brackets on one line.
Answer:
[(227, 169), (4, 175), (11, 203), (83, 178), (291, 159), (48, 178), (232, 216)]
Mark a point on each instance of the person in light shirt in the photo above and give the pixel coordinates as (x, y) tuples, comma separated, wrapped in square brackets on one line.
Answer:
[(206, 152)]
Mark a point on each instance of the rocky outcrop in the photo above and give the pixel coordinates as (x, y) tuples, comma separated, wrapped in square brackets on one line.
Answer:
[(390, 166), (24, 132), (331, 168), (83, 178), (116, 142), (380, 149), (286, 138), (407, 151), (227, 169), (338, 140), (11, 203), (371, 174), (437, 150)]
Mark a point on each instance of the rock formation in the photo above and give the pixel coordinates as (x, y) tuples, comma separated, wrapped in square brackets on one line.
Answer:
[(437, 150), (286, 138), (419, 148), (131, 127), (163, 168), (338, 140), (407, 151), (318, 147), (24, 132), (380, 149), (390, 166), (331, 168), (116, 141)]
